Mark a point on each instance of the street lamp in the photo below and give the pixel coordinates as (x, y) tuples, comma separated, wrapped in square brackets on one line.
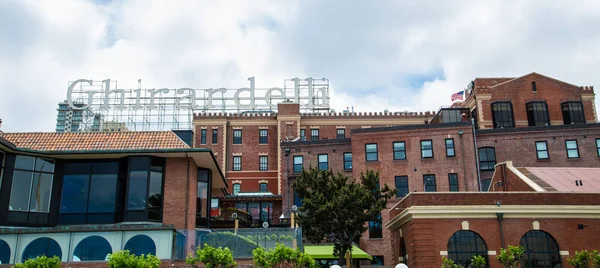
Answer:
[(295, 240), (234, 216)]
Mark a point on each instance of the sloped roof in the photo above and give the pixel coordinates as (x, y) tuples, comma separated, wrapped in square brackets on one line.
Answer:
[(563, 179), (96, 141)]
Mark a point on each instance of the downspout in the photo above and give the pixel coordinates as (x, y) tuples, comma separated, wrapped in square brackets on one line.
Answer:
[(476, 155), (500, 217)]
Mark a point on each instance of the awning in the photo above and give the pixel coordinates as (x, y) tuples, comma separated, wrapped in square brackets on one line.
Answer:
[(326, 252)]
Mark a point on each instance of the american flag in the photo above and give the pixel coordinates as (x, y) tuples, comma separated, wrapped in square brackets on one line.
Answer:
[(458, 95)]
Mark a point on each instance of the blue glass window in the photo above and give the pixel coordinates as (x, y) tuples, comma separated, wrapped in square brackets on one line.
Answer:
[(375, 228), (463, 245), (298, 163), (92, 248), (4, 252), (41, 246), (323, 162), (141, 244)]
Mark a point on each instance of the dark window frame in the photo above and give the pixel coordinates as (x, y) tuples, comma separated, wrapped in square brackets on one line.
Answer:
[(346, 161), (236, 191), (237, 139), (263, 165), (571, 149), (487, 161), (260, 187), (263, 136), (341, 133), (425, 180), (537, 113), (34, 171), (545, 240), (367, 153), (376, 228), (203, 136), (399, 150), (399, 182), (569, 115), (302, 134), (598, 146), (461, 252), (133, 214), (453, 148), (215, 136), (537, 150), (533, 86), (453, 182), (236, 166), (423, 150), (319, 161), (314, 131), (503, 118), (294, 165)]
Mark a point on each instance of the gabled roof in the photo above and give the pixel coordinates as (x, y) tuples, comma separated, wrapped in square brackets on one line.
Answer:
[(533, 73), (96, 141), (563, 179)]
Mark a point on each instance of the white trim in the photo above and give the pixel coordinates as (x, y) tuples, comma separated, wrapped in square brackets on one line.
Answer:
[(524, 178), (444, 253), (564, 253), (491, 253)]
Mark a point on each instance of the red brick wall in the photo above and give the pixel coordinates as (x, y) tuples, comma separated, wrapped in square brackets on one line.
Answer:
[(510, 181), (176, 181)]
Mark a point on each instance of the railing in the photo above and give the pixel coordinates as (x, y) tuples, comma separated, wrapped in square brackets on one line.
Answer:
[(241, 243)]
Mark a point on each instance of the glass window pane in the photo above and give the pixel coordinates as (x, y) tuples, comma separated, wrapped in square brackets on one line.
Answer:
[(103, 193), (41, 246), (20, 190), (202, 198), (24, 162), (427, 153), (4, 252), (105, 168), (139, 163), (540, 145), (322, 158), (571, 145), (297, 159), (40, 192), (141, 244), (44, 165), (92, 248), (542, 154), (136, 198), (74, 196), (572, 154), (77, 168), (425, 145)]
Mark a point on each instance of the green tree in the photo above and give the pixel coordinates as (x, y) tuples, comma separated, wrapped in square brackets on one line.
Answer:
[(212, 257), (40, 262), (511, 257), (448, 263), (124, 259), (335, 207), (584, 259), (282, 256), (478, 262)]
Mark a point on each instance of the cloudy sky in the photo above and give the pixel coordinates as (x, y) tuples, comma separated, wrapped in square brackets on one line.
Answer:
[(399, 55)]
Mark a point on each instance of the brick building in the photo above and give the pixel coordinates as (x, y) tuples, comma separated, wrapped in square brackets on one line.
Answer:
[(413, 152)]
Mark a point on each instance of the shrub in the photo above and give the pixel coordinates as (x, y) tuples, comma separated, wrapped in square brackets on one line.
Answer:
[(511, 257), (124, 259), (448, 263), (478, 262), (212, 257), (584, 259), (282, 256), (40, 261)]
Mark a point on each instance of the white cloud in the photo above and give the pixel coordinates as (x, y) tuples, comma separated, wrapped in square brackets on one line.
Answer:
[(396, 55)]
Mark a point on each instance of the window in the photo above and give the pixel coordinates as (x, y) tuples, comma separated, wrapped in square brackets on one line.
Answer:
[(4, 252), (377, 261), (463, 245), (263, 136), (92, 248), (597, 149), (41, 246), (263, 164), (450, 148), (347, 161), (202, 197), (1, 167), (302, 134), (32, 184), (541, 149), (341, 133), (573, 112), (487, 158), (263, 187), (89, 193), (237, 163), (572, 149), (502, 115), (298, 163), (375, 228), (144, 189), (401, 186), (485, 185), (541, 250), (533, 86), (426, 149), (236, 188), (215, 135), (453, 182), (140, 244), (314, 134), (429, 183), (371, 151), (237, 136), (323, 162), (399, 150), (203, 136), (537, 114)]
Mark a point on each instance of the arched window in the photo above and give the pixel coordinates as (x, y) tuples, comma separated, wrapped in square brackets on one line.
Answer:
[(236, 188), (463, 245), (41, 246), (4, 251), (541, 250), (487, 158), (141, 244), (92, 248)]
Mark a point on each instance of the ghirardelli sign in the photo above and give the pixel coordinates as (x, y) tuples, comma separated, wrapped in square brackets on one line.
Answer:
[(85, 93)]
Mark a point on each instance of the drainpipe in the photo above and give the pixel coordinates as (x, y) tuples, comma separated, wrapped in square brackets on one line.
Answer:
[(476, 155), (500, 217)]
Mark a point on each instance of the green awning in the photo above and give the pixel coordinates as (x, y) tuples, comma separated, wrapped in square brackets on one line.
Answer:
[(326, 252)]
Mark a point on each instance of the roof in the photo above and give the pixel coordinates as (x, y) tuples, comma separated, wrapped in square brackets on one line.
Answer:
[(537, 128), (410, 127), (563, 179), (316, 142), (326, 252), (96, 141)]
